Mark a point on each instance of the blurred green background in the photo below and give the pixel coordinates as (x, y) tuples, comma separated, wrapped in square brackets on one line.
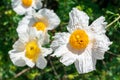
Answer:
[(107, 69)]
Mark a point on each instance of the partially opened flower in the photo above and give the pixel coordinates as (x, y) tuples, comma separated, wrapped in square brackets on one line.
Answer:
[(83, 44), (27, 50), (23, 6), (43, 20)]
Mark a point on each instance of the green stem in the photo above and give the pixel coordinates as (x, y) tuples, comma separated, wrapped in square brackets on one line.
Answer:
[(113, 22), (20, 73)]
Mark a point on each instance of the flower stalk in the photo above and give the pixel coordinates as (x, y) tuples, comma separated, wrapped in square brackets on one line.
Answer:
[(113, 22)]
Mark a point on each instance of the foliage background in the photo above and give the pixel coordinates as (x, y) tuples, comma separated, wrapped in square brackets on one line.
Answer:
[(107, 69)]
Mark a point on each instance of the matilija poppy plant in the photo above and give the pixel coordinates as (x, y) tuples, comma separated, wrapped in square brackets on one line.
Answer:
[(25, 6), (83, 44), (42, 21), (28, 50)]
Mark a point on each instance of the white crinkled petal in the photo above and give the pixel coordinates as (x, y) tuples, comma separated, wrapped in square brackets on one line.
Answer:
[(43, 37), (32, 21), (78, 20), (84, 66), (52, 19), (37, 4), (29, 62), (33, 33), (15, 3), (19, 45), (23, 33), (26, 20), (60, 39), (27, 33), (47, 36), (17, 57), (46, 51), (22, 28), (68, 58), (98, 26), (85, 62), (100, 46), (60, 51), (41, 62), (19, 9), (30, 11)]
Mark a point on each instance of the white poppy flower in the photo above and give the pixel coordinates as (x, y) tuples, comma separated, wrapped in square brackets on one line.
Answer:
[(43, 20), (23, 6), (83, 44), (27, 50)]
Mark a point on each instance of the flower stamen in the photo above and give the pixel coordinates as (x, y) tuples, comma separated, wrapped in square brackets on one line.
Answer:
[(27, 3), (32, 50), (79, 39), (40, 26)]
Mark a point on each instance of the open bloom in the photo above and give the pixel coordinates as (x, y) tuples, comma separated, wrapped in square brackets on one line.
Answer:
[(23, 6), (27, 50), (43, 20), (83, 44)]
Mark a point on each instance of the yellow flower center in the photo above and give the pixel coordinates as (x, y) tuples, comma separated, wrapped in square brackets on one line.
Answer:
[(27, 3), (79, 39), (39, 26), (32, 50)]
